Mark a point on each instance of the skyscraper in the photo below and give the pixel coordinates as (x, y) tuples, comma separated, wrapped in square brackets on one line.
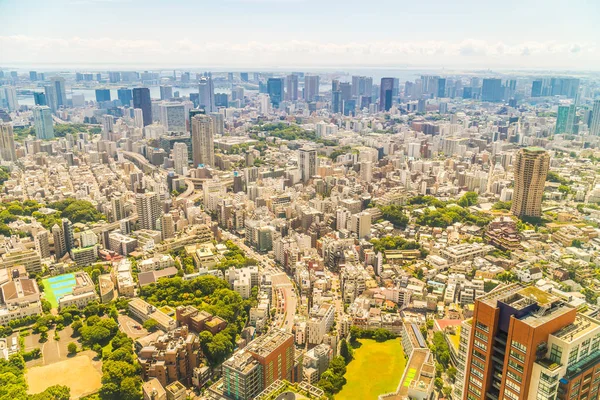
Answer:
[(7, 142), (8, 98), (42, 121), (166, 92), (492, 90), (125, 96), (148, 209), (102, 95), (595, 126), (68, 234), (60, 92), (311, 87), (275, 91), (42, 244), (203, 151), (307, 161), (291, 87), (167, 227), (530, 170), (60, 248), (386, 94), (172, 116), (536, 88), (180, 157), (562, 120), (39, 99), (141, 99), (50, 94), (207, 94), (526, 343), (336, 102)]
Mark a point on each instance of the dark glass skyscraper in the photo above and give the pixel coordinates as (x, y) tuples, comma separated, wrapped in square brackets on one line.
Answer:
[(492, 90), (39, 98), (125, 96), (275, 90), (386, 94), (141, 99), (102, 95)]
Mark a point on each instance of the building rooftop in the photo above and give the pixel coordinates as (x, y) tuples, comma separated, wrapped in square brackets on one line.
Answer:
[(264, 345)]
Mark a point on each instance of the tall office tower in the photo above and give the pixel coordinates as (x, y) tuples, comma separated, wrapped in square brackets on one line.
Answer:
[(441, 87), (167, 226), (7, 142), (536, 88), (221, 100), (595, 126), (307, 160), (386, 94), (8, 98), (203, 148), (148, 209), (39, 99), (33, 76), (125, 96), (244, 76), (59, 91), (362, 86), (218, 123), (336, 102), (114, 77), (102, 95), (311, 87), (50, 94), (275, 91), (530, 170), (291, 87), (346, 90), (172, 116), (42, 121), (180, 158), (68, 233), (141, 99), (107, 126), (526, 343), (138, 118), (42, 243), (492, 90), (571, 119), (60, 248), (166, 92), (207, 94), (335, 85), (562, 120), (118, 208)]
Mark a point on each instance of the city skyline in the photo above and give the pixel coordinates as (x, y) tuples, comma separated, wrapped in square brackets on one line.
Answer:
[(299, 33)]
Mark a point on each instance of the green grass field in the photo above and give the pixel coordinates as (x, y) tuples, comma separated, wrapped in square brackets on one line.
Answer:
[(376, 369), (57, 286)]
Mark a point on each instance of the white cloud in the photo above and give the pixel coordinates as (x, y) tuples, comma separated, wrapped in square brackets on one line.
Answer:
[(21, 49)]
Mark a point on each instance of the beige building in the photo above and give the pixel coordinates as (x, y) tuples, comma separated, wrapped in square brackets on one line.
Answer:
[(530, 168)]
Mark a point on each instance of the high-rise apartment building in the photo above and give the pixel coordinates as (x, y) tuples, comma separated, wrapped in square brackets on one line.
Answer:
[(7, 142), (60, 248), (565, 119), (311, 87), (167, 226), (50, 94), (148, 209), (42, 243), (529, 344), (42, 121), (386, 95), (291, 87), (8, 98), (307, 162), (60, 91), (595, 126), (206, 96), (142, 100), (166, 92), (203, 149), (172, 116), (68, 234), (180, 157), (530, 169)]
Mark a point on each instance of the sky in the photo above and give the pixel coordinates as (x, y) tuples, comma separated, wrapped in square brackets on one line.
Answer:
[(524, 34)]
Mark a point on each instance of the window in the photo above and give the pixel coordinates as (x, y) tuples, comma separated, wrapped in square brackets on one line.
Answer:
[(478, 364), (477, 373), (513, 376), (516, 366), (475, 390), (555, 353), (519, 346), (517, 355), (510, 395), (483, 327), (479, 354), (513, 386), (481, 336), (573, 356), (480, 345), (476, 382)]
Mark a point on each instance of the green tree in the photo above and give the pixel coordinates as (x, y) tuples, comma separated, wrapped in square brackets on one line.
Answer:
[(345, 351), (72, 348), (468, 199), (151, 325)]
